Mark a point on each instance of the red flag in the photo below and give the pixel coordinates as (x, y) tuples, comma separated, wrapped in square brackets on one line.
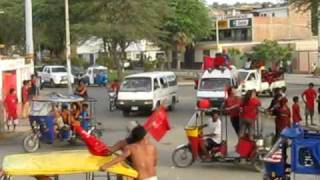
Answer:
[(219, 61), (207, 62), (94, 145), (157, 123)]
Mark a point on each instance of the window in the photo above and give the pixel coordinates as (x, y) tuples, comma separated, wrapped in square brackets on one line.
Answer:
[(163, 82), (252, 77), (214, 84), (59, 69), (136, 84), (156, 84), (206, 52), (172, 80)]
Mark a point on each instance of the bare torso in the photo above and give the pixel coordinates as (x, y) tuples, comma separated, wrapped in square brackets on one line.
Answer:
[(144, 159)]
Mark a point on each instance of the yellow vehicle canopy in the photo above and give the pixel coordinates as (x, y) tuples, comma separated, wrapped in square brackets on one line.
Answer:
[(61, 162)]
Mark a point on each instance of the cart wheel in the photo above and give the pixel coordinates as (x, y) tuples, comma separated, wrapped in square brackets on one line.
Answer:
[(182, 157), (257, 163), (31, 143)]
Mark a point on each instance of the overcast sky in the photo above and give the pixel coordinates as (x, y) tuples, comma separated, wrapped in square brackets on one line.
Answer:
[(242, 1)]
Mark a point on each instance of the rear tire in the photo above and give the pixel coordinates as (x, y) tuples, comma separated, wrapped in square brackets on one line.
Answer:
[(52, 85), (182, 157), (172, 107), (31, 143)]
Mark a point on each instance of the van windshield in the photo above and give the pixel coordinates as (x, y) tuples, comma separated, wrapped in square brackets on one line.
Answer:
[(136, 84), (214, 84)]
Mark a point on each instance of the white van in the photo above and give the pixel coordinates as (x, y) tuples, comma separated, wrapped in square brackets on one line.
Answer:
[(145, 91), (212, 85)]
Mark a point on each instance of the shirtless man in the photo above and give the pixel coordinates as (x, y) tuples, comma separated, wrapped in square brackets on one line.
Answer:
[(138, 151)]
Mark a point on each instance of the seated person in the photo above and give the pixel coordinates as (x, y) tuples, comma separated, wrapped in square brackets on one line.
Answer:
[(115, 86), (65, 114), (59, 124), (85, 117), (213, 139), (75, 114)]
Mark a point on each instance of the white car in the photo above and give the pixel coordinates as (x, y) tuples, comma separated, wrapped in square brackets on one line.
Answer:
[(55, 75)]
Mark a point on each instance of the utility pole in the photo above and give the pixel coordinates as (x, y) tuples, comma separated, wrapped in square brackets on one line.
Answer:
[(68, 48), (29, 32), (217, 33)]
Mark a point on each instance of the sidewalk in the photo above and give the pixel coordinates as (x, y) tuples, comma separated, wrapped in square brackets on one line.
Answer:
[(21, 129)]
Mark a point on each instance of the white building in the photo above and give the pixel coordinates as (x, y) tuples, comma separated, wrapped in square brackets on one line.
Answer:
[(90, 50), (282, 11), (12, 73)]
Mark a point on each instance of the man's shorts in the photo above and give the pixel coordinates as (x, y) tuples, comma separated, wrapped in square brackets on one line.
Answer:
[(211, 144), (309, 111)]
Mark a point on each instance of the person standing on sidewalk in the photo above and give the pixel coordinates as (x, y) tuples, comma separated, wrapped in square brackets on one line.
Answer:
[(232, 106), (10, 104), (309, 96)]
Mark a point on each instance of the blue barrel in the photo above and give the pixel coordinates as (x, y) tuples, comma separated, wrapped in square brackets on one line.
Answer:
[(46, 126)]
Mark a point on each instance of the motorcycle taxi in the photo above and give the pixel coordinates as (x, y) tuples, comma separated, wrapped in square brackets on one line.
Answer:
[(43, 122), (246, 151)]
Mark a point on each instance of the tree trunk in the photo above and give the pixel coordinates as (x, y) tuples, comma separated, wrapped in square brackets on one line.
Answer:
[(169, 58)]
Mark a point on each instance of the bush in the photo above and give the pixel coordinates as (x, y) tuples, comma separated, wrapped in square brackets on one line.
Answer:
[(149, 65)]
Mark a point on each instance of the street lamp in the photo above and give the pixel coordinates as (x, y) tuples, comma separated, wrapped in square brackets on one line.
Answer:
[(68, 48)]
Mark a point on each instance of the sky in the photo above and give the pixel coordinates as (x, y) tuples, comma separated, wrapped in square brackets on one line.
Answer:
[(242, 1)]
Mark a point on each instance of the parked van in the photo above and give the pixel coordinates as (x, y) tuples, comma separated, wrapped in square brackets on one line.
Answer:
[(145, 92), (212, 85)]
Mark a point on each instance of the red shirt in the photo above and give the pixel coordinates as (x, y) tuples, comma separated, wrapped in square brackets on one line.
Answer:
[(310, 96), (115, 86), (283, 119), (11, 104), (296, 117), (232, 102), (250, 110)]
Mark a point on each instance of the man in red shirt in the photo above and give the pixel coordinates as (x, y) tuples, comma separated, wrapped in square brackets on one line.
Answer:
[(296, 117), (232, 106), (309, 96), (10, 104), (249, 113)]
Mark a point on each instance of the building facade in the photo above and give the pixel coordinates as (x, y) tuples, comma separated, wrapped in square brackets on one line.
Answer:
[(243, 31)]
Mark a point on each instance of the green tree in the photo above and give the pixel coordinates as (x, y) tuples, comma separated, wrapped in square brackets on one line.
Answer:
[(312, 5), (189, 22), (119, 23), (12, 23), (270, 52), (235, 56)]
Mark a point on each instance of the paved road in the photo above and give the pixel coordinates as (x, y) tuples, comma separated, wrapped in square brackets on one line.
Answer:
[(114, 124)]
